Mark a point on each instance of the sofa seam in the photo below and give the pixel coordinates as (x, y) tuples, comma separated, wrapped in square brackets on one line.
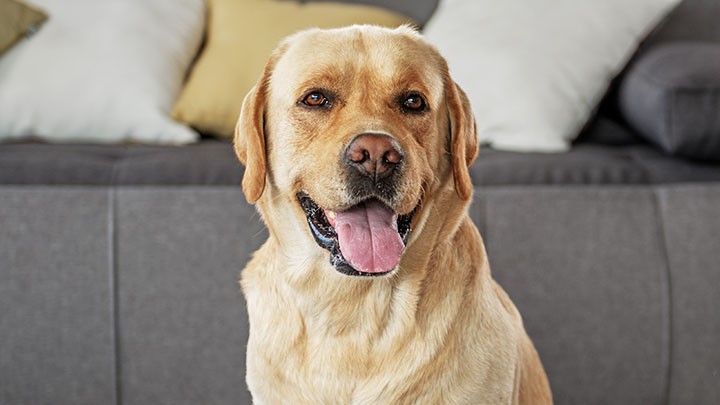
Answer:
[(114, 293), (658, 199)]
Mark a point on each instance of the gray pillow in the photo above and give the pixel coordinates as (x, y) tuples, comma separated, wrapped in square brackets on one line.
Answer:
[(671, 97), (419, 10)]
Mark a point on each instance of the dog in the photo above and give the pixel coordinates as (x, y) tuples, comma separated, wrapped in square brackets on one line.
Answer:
[(374, 285)]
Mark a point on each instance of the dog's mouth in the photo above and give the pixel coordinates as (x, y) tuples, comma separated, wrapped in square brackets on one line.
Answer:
[(366, 239)]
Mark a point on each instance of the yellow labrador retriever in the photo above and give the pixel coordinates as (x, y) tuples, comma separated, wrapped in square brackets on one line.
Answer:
[(373, 286)]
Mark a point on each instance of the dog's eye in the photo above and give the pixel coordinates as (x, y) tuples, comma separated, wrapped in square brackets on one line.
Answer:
[(413, 102), (315, 99)]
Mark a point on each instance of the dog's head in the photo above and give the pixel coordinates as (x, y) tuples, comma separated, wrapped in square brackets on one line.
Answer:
[(352, 132)]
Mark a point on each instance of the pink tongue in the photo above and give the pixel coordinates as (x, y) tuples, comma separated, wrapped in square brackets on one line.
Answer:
[(368, 237)]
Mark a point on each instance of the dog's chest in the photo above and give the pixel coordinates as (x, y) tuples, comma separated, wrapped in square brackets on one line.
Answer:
[(291, 360), (330, 370), (375, 351)]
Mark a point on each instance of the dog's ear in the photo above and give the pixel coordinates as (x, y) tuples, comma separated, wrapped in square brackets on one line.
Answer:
[(463, 139), (250, 141), (250, 131)]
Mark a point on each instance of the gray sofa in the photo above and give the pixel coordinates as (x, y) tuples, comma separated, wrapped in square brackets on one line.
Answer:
[(119, 264)]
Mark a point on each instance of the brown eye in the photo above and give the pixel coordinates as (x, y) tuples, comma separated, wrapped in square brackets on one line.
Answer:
[(413, 103), (315, 99)]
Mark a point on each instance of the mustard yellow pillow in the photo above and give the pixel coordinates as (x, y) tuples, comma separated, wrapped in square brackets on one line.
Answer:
[(16, 20), (241, 35)]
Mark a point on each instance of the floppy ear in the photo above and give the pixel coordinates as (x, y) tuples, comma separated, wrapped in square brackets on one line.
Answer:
[(250, 141), (463, 139)]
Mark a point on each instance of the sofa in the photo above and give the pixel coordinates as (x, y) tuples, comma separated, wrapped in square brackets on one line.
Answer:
[(119, 264)]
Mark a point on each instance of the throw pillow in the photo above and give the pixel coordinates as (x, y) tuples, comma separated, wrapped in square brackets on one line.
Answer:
[(102, 71), (535, 70), (671, 96), (419, 11), (17, 19), (240, 37)]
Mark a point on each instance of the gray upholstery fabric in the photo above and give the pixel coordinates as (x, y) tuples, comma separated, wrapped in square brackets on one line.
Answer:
[(617, 286), (663, 170), (183, 323), (589, 164), (56, 317), (37, 163), (692, 20), (419, 10), (585, 164), (692, 226), (671, 96), (605, 129), (213, 163), (205, 163), (585, 266)]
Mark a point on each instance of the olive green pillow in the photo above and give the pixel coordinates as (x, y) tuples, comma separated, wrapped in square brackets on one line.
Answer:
[(17, 19), (240, 37)]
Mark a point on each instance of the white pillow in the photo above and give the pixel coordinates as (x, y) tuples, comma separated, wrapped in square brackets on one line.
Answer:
[(101, 71), (535, 70)]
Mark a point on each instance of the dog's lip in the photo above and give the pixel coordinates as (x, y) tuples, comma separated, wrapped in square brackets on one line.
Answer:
[(321, 222)]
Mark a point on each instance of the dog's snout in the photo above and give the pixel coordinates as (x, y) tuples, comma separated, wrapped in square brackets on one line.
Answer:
[(374, 155)]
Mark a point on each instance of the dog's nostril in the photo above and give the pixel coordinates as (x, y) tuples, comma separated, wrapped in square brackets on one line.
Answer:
[(373, 154), (392, 157), (358, 155)]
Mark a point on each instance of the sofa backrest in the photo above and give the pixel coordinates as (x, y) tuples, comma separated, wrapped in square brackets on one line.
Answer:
[(418, 10), (692, 20)]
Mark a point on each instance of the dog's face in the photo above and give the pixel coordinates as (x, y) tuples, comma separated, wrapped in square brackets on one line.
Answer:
[(352, 132)]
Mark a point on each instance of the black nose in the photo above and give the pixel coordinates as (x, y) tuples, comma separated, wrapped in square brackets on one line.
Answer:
[(374, 155)]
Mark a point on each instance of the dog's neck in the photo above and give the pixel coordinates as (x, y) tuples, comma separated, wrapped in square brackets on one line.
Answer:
[(337, 304)]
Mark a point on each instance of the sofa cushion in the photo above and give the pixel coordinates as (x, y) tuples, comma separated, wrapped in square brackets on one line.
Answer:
[(241, 36), (17, 19), (56, 295), (586, 267), (671, 96), (101, 71), (535, 71), (213, 163), (204, 163)]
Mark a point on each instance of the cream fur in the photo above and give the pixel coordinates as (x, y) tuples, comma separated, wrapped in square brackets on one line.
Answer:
[(436, 330)]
